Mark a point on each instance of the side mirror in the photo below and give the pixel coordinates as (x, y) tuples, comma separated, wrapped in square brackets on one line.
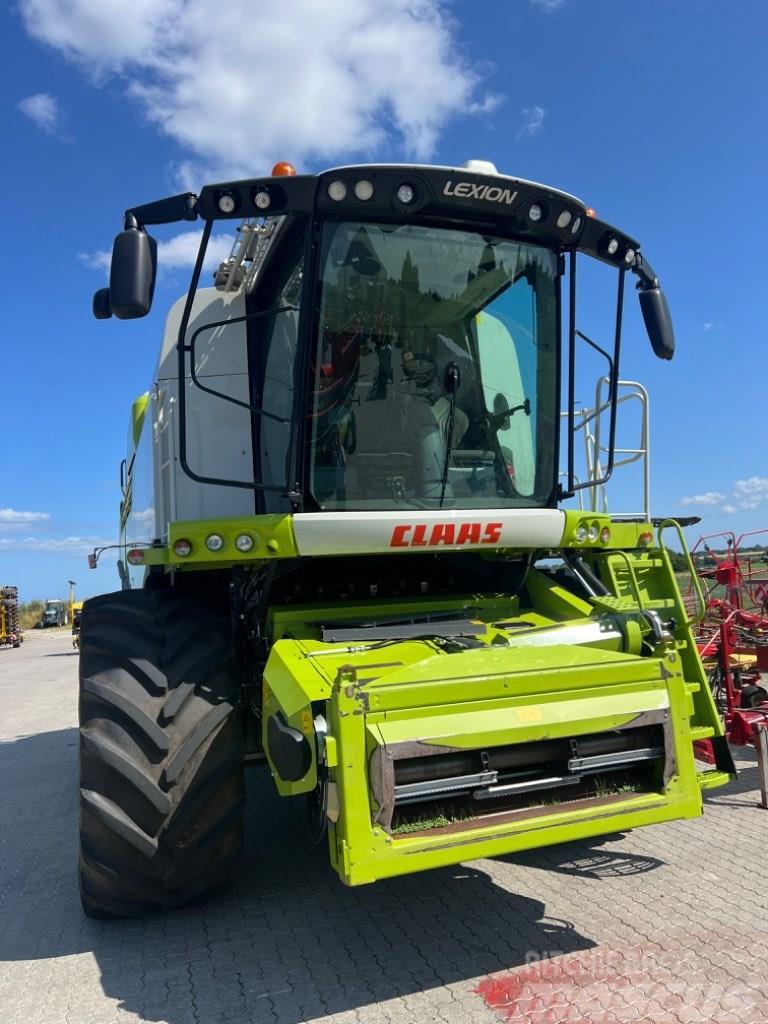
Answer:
[(102, 307), (658, 322), (132, 274)]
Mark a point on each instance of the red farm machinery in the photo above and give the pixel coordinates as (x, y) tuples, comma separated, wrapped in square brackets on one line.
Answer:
[(732, 637)]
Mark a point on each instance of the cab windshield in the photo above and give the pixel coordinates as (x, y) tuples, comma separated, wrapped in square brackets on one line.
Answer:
[(434, 379)]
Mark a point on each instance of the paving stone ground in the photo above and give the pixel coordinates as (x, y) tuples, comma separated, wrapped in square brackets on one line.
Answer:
[(668, 924)]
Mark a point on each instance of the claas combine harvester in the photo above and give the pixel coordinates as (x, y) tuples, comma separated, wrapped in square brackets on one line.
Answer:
[(344, 553)]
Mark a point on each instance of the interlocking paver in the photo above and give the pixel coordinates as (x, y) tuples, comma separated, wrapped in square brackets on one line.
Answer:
[(641, 927)]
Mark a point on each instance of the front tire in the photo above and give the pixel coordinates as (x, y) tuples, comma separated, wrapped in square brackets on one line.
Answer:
[(161, 759)]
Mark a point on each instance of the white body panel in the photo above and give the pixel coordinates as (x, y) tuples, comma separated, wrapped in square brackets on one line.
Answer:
[(361, 533), (218, 432)]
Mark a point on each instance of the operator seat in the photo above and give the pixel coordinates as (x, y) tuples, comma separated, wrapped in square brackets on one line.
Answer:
[(383, 455), (400, 449)]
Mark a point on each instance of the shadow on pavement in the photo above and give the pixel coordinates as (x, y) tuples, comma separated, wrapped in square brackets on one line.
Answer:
[(588, 859), (288, 943), (745, 790)]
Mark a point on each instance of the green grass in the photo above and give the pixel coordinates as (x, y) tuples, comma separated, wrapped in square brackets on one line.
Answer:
[(607, 787), (436, 819), (441, 816)]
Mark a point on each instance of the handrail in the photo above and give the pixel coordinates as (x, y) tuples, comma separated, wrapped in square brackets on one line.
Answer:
[(632, 578), (687, 555), (589, 421)]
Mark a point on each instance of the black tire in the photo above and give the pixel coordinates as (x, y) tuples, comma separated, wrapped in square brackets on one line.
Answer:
[(161, 752)]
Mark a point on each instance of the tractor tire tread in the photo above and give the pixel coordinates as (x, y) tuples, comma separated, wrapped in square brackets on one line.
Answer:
[(161, 735)]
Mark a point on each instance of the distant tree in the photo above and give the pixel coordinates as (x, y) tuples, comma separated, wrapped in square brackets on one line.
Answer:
[(30, 613), (679, 561)]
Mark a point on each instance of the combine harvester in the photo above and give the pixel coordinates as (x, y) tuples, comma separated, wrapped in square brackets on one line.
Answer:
[(10, 627), (343, 551)]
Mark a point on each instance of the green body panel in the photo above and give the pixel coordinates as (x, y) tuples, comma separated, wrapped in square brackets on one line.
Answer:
[(138, 416), (291, 687), (301, 621), (272, 535), (275, 540), (428, 698), (362, 851), (519, 720), (138, 413)]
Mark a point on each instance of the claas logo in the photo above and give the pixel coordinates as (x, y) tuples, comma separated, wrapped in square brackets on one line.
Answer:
[(445, 534)]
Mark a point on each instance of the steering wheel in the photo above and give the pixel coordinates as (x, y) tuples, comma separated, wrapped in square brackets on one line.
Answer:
[(420, 367)]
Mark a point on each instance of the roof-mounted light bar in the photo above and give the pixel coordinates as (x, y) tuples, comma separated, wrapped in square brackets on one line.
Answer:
[(472, 195), (525, 207)]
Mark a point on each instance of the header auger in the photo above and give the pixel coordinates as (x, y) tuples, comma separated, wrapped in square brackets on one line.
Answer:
[(343, 552)]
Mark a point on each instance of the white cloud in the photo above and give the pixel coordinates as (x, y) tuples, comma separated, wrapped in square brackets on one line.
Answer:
[(99, 260), (181, 250), (144, 516), (242, 85), (548, 6), (709, 498), (53, 545), (751, 493), (533, 119), (177, 253), (43, 109), (12, 515), (708, 325), (747, 495), (753, 486)]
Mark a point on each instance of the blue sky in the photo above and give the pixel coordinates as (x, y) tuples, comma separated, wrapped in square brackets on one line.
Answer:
[(653, 113)]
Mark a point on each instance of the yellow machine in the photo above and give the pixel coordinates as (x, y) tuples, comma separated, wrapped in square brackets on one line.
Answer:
[(10, 628), (75, 611)]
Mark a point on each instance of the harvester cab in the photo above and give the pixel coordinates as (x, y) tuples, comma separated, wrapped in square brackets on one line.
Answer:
[(342, 528)]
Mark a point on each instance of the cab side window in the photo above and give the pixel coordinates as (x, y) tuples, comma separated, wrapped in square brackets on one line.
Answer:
[(279, 336)]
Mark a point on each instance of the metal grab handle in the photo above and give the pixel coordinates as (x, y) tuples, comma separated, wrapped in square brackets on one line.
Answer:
[(692, 620), (632, 578), (225, 323)]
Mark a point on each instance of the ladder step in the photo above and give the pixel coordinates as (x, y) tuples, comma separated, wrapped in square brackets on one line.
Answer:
[(621, 604), (713, 779), (702, 732)]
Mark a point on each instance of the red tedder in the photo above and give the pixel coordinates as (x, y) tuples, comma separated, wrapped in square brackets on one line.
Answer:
[(733, 636)]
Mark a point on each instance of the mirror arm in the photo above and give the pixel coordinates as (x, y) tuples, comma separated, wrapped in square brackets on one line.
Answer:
[(163, 211), (646, 274), (655, 310), (498, 420)]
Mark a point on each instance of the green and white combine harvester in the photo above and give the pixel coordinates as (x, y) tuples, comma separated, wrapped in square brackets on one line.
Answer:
[(343, 551)]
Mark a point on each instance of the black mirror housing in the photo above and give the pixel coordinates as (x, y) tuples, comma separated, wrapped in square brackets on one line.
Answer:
[(132, 274), (102, 307), (658, 322)]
